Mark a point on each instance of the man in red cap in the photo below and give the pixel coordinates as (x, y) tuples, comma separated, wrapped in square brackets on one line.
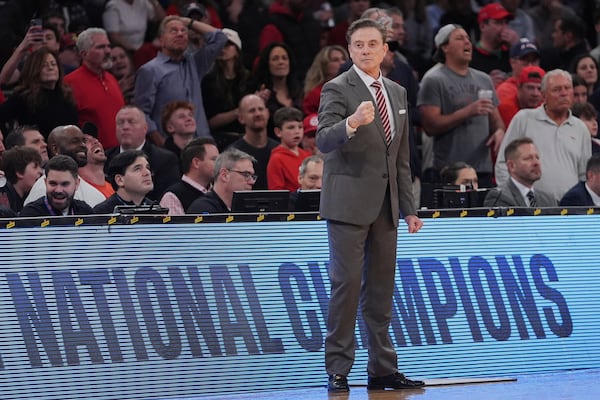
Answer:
[(529, 93), (491, 53)]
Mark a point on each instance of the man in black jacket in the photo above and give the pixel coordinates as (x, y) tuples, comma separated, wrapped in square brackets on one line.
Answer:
[(198, 162), (62, 180), (585, 193), (131, 134)]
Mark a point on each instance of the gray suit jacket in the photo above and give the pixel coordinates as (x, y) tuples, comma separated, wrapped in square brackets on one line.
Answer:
[(508, 195), (357, 171)]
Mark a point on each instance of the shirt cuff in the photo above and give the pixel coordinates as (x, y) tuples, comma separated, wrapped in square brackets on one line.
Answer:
[(350, 132)]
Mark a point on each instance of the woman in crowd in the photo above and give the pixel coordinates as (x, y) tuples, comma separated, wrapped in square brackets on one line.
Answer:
[(40, 98), (276, 76), (122, 68), (223, 88), (460, 173), (586, 67), (325, 66)]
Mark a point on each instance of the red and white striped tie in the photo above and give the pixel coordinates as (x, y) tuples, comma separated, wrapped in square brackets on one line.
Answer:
[(385, 119)]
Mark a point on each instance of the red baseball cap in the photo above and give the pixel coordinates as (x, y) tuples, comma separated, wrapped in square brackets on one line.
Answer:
[(531, 73), (493, 11), (310, 124)]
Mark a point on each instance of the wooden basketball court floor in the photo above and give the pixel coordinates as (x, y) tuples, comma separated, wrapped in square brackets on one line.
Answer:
[(572, 385)]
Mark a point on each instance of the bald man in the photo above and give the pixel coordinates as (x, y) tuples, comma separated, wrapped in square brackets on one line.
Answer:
[(70, 141)]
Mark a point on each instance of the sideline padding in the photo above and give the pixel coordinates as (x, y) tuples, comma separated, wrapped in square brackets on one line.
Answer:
[(152, 310)]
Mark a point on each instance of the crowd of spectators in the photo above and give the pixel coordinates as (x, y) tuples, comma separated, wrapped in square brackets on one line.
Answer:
[(143, 96)]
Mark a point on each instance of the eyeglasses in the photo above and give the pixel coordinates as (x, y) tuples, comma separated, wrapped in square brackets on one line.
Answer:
[(249, 176)]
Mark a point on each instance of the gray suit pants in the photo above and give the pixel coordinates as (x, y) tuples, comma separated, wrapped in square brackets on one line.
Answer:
[(361, 271)]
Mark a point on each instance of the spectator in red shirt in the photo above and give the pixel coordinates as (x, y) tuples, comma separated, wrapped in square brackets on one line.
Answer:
[(96, 91), (529, 93)]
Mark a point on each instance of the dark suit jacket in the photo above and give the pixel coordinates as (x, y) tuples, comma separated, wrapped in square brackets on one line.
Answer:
[(508, 195), (163, 163), (357, 171), (577, 196)]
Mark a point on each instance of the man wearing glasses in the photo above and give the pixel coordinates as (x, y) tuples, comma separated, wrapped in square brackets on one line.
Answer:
[(234, 170)]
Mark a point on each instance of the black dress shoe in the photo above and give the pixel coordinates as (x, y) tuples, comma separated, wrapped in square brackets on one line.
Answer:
[(394, 381), (337, 384)]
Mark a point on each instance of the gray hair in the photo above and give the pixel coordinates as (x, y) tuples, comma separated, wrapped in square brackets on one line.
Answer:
[(85, 39), (228, 158), (553, 73), (316, 158), (375, 10)]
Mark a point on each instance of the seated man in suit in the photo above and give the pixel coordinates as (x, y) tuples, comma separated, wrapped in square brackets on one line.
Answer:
[(310, 177), (198, 162), (524, 169), (585, 193), (234, 170), (131, 134)]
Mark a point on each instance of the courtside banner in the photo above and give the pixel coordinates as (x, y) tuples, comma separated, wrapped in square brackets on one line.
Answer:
[(157, 311)]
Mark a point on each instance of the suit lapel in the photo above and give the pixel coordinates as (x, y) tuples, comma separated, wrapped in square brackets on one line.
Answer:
[(364, 93), (516, 194)]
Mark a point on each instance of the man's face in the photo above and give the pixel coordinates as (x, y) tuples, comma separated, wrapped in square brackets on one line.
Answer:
[(309, 143), (235, 179), (580, 94), (137, 178), (207, 165), (253, 113), (492, 30), (559, 40), (121, 64), (558, 95), (72, 143), (95, 150), (367, 50), (174, 39), (60, 189), (313, 177), (50, 41), (525, 166), (30, 175), (530, 95), (517, 64), (35, 140), (398, 28), (131, 128), (593, 181), (459, 47), (182, 122), (98, 55)]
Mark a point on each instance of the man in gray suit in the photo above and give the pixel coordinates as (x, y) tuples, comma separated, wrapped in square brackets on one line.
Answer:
[(363, 133), (524, 169)]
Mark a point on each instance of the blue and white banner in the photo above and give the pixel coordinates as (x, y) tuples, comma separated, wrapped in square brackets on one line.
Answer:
[(158, 311)]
